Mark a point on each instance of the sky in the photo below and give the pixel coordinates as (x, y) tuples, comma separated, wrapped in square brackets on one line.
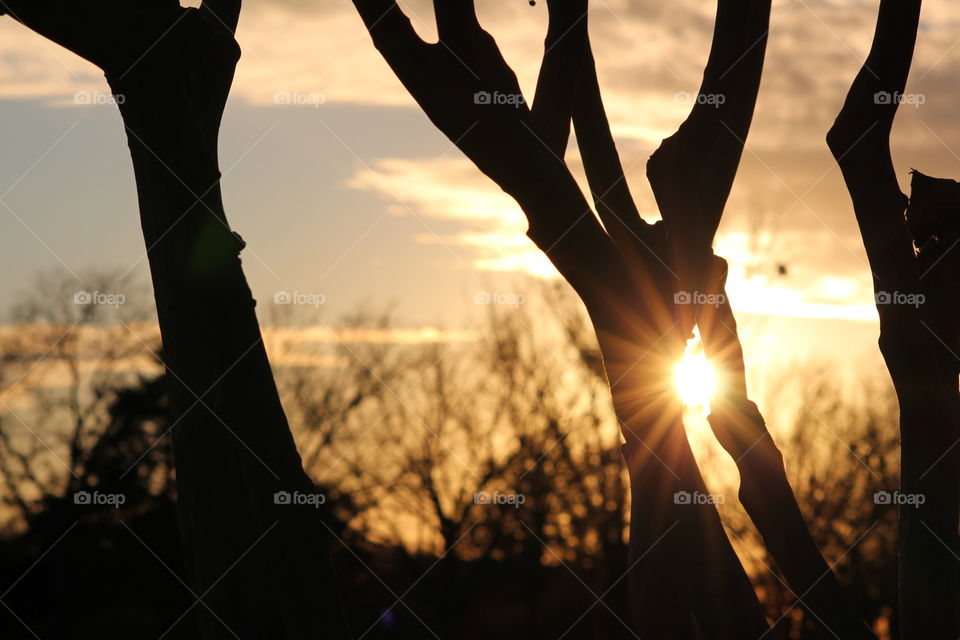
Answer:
[(344, 190)]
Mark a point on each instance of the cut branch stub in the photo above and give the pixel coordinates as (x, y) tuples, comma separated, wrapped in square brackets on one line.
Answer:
[(933, 216), (934, 210)]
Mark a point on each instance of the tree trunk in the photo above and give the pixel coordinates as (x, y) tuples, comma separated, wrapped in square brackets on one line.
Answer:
[(259, 569), (918, 322)]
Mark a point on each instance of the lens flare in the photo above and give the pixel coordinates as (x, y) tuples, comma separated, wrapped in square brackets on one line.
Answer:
[(694, 380)]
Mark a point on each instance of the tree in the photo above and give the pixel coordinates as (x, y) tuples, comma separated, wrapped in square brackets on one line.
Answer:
[(909, 244), (89, 345), (257, 568), (637, 282)]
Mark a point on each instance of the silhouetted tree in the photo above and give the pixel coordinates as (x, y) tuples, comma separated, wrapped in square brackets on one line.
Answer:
[(402, 467), (910, 247), (259, 569), (637, 281), (59, 368)]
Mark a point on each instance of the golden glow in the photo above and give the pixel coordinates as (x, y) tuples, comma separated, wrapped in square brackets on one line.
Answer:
[(694, 380)]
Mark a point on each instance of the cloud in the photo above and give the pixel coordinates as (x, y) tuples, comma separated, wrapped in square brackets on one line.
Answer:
[(647, 52), (826, 275), (448, 188), (452, 190)]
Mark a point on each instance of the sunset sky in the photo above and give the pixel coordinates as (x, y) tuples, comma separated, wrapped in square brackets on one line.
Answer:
[(350, 192)]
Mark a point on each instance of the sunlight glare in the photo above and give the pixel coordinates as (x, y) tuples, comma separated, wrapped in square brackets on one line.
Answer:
[(694, 380)]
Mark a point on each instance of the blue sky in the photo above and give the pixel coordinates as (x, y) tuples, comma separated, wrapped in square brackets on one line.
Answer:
[(72, 205)]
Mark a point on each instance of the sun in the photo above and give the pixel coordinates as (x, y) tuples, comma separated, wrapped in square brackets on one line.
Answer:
[(694, 380)]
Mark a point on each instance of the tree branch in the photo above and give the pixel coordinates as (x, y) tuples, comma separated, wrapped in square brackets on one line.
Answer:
[(611, 192), (765, 492), (684, 576), (860, 142), (470, 93), (692, 172), (564, 54)]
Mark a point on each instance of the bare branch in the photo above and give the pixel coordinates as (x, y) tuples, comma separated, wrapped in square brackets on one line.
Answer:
[(564, 55), (84, 28), (392, 33), (692, 172), (627, 301), (860, 142), (611, 192), (568, 87), (765, 492), (471, 94)]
